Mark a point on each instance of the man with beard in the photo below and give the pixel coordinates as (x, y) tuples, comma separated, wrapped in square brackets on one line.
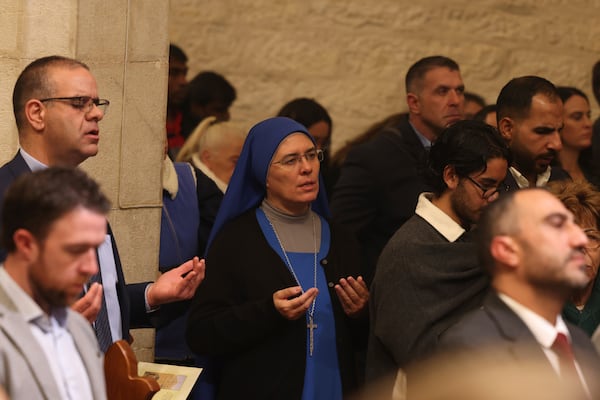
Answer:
[(534, 252), (381, 179), (53, 222), (530, 117), (428, 274)]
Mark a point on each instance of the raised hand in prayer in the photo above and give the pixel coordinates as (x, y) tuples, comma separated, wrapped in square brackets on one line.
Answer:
[(176, 284), (353, 294), (292, 303)]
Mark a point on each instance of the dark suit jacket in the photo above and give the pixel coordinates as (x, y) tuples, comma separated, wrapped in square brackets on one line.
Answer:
[(496, 326), (209, 201), (378, 188), (131, 297)]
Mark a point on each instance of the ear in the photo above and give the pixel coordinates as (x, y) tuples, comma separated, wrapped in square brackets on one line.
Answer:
[(35, 113), (506, 126), (412, 100), (450, 177), (205, 157), (505, 250), (26, 244)]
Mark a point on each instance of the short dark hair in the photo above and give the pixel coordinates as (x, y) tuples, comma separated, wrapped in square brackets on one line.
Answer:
[(466, 145), (596, 81), (514, 100), (209, 86), (481, 114), (416, 73), (34, 82), (566, 92), (36, 200), (475, 98), (177, 54), (306, 111), (498, 218)]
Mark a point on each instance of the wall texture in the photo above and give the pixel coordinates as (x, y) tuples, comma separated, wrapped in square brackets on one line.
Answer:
[(352, 55), (125, 43)]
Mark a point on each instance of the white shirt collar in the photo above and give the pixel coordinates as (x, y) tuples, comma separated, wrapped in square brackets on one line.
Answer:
[(32, 163), (522, 182), (438, 219), (543, 331)]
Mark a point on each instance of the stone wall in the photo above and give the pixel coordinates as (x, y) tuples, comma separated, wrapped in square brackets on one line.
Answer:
[(352, 55)]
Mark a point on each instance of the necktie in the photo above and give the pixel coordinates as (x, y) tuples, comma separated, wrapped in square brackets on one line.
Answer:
[(563, 350), (568, 371), (101, 326)]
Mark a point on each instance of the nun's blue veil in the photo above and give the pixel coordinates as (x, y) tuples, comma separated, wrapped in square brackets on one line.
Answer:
[(247, 187)]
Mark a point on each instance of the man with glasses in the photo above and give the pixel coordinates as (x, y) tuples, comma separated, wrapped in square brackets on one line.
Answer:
[(530, 117), (57, 110), (428, 274)]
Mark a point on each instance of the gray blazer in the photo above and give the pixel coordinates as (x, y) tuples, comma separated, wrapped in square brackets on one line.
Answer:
[(24, 369), (496, 325)]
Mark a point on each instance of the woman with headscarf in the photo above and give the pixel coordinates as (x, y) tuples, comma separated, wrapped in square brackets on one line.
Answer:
[(281, 304)]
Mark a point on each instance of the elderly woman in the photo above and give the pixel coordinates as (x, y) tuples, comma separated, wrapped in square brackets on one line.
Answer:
[(281, 301), (583, 200)]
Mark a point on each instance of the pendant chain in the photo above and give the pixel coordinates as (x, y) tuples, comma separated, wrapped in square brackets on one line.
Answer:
[(311, 325)]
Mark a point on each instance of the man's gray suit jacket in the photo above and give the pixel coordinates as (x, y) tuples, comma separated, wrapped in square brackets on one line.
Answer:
[(24, 369)]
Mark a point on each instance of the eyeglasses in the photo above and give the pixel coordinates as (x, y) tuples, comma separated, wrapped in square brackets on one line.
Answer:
[(593, 236), (83, 103), (293, 160), (488, 192)]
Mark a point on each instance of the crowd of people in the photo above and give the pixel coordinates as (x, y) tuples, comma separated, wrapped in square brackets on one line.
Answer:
[(454, 231)]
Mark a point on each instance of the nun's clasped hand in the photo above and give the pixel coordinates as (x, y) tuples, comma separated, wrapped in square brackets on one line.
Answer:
[(353, 294)]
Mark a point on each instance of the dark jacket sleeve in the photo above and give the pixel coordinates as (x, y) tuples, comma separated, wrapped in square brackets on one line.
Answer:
[(233, 308)]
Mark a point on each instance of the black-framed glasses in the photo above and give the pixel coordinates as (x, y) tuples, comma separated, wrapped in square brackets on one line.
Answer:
[(593, 236), (293, 160), (83, 103), (488, 192)]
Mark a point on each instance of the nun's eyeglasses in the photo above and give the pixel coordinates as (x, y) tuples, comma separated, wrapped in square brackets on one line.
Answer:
[(293, 160)]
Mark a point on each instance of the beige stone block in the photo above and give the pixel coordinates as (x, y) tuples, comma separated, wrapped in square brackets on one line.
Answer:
[(11, 19), (11, 68), (106, 165), (137, 233), (48, 28), (148, 31), (143, 138), (143, 344), (102, 30)]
